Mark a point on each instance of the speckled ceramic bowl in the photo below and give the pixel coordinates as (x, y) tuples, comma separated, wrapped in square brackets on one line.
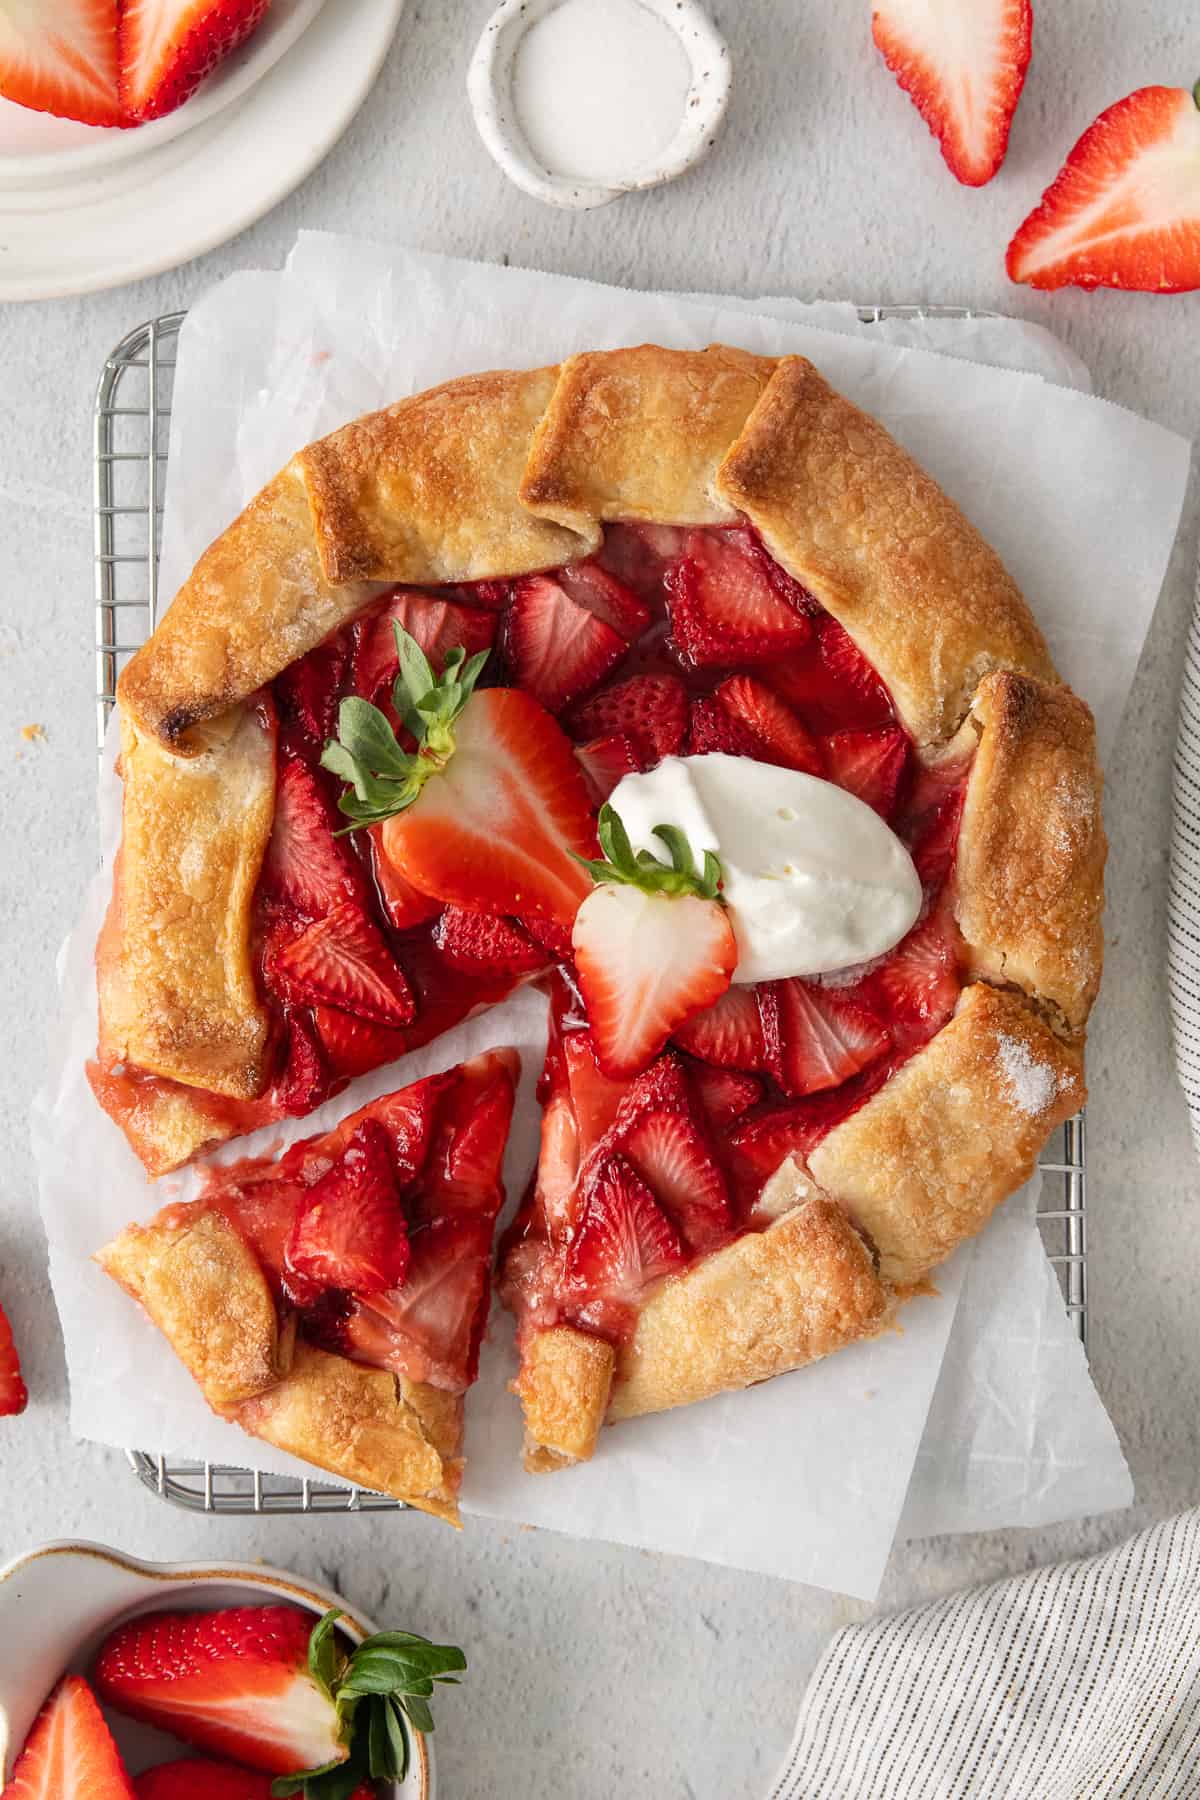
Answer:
[(490, 88), (58, 1603)]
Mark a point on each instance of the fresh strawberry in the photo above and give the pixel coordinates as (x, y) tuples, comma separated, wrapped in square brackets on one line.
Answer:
[(304, 865), (307, 692), (963, 67), (350, 1231), (430, 1329), (558, 649), (595, 1096), (592, 586), (168, 47), (713, 727), (302, 1080), (436, 624), (341, 960), (831, 683), (199, 1778), (353, 1045), (62, 60), (724, 1094), (934, 840), (605, 762), (485, 944), (651, 711), (816, 1037), (625, 1242), (404, 905), (870, 764), (267, 1687), (671, 1151), (728, 1033), (652, 946), (726, 603), (1124, 210), (70, 1754), (498, 827), (14, 1395), (778, 733), (919, 984)]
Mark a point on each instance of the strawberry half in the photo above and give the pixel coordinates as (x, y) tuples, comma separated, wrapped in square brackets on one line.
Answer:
[(167, 47), (963, 66), (340, 960), (728, 1033), (1124, 210), (304, 864), (625, 1242), (651, 711), (14, 1395), (592, 586), (726, 605), (350, 1230), (779, 736), (870, 764), (816, 1037), (558, 649), (62, 60), (70, 1753)]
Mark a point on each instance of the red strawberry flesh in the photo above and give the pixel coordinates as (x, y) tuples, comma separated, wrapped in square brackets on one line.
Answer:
[(559, 650), (350, 1231), (69, 1753), (14, 1395), (169, 46)]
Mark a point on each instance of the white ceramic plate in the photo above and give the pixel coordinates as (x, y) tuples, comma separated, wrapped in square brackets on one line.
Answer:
[(57, 1604), (35, 146), (153, 211)]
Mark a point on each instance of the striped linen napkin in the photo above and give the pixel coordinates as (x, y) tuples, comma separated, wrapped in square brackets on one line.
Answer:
[(1077, 1682), (1183, 890)]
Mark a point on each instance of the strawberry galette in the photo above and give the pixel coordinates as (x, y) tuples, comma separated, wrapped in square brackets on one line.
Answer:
[(669, 681)]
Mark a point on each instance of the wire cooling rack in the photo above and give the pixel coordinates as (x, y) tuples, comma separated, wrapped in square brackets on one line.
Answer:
[(132, 420)]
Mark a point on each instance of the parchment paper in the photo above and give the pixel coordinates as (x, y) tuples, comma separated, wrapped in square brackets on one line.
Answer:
[(807, 1476)]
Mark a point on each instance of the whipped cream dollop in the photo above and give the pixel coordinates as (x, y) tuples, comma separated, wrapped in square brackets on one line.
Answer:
[(814, 879)]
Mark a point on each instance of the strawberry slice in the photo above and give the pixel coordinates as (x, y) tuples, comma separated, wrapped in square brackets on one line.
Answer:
[(963, 67), (831, 683), (463, 1172), (498, 828), (760, 1144), (651, 711), (302, 1081), (199, 1778), (713, 727), (779, 736), (1124, 210), (816, 1037), (404, 904), (554, 938), (304, 865), (350, 1231), (590, 585), (70, 1753), (167, 48), (919, 984), (595, 1096), (639, 556), (485, 944), (671, 1152), (340, 960), (870, 764), (724, 1094), (438, 625), (727, 602), (558, 649), (934, 840), (309, 690), (430, 1329), (625, 1242), (354, 1045), (14, 1395), (605, 762), (62, 60), (646, 963), (728, 1033)]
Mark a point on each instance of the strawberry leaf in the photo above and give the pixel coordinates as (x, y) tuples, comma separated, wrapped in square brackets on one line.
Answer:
[(645, 870)]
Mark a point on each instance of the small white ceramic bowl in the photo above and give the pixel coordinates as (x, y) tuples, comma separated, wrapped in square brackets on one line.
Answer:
[(58, 1603), (490, 89)]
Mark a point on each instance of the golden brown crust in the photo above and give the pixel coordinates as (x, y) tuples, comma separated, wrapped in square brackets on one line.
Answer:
[(377, 1430), (925, 1162), (174, 973), (563, 1387), (426, 491), (852, 516), (1029, 890), (640, 434), (771, 1301), (204, 1289)]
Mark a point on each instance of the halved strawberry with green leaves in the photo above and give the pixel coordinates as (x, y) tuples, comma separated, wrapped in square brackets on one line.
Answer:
[(870, 764), (1124, 210), (778, 735), (490, 812), (653, 945), (267, 1687), (730, 603), (485, 944), (728, 1033), (558, 648), (651, 711), (340, 960), (69, 1753), (350, 1230), (625, 1243), (816, 1037)]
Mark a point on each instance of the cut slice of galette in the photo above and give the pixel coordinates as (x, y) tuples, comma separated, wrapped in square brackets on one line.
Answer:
[(819, 977)]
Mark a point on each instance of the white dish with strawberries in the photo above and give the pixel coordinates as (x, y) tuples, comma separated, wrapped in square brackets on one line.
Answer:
[(217, 1704)]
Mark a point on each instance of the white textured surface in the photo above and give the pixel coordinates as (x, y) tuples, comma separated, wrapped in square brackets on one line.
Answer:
[(603, 1671)]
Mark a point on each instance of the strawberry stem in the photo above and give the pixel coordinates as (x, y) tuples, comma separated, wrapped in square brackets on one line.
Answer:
[(644, 870)]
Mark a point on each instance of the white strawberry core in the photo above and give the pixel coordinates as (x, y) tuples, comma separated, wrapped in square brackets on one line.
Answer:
[(813, 878)]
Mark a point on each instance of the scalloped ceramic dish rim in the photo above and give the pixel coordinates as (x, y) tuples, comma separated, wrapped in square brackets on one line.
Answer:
[(128, 1584), (489, 86)]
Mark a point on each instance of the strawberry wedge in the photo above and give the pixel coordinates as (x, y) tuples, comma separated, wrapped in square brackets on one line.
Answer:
[(1124, 211), (70, 1753), (168, 47), (62, 59), (963, 66)]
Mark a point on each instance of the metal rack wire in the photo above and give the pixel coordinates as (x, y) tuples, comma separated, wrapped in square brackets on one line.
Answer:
[(132, 419)]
